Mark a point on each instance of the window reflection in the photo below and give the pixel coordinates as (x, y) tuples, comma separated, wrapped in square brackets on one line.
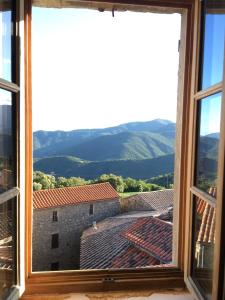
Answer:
[(7, 241), (208, 142), (204, 240), (6, 145), (6, 39), (213, 53)]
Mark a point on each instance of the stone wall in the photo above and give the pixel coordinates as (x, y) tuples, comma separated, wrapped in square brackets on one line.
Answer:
[(134, 203), (72, 220)]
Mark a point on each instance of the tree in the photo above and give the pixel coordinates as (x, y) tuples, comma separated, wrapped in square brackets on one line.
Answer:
[(115, 181), (45, 180), (37, 186)]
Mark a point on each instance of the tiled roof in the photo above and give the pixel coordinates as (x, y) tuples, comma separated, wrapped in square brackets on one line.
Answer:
[(132, 257), (113, 243), (153, 236), (159, 200), (5, 225), (73, 195), (156, 200), (100, 246), (6, 240), (207, 228)]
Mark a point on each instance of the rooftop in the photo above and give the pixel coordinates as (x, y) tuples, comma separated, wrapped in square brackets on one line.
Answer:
[(154, 201), (73, 195), (152, 235), (206, 232), (126, 242)]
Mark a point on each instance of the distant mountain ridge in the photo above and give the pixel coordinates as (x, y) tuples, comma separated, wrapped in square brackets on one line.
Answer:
[(139, 169), (139, 149), (135, 140)]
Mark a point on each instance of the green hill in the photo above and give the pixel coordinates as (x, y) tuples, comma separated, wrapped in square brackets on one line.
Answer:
[(125, 145), (138, 169), (77, 142)]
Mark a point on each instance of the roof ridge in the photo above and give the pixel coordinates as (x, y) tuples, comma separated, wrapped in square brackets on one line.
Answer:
[(72, 187)]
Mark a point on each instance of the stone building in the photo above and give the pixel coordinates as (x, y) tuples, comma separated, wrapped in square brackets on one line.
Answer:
[(59, 218)]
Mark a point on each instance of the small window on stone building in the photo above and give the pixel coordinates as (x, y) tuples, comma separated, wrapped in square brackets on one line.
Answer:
[(91, 209), (54, 216), (55, 240), (55, 266)]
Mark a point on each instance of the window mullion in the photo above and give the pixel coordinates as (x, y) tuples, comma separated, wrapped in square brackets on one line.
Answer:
[(208, 92), (14, 192), (9, 86)]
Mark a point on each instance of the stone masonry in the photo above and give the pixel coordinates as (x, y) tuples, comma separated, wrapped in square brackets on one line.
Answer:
[(72, 220)]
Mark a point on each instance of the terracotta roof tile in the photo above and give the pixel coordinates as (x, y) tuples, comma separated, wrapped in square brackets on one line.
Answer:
[(153, 236), (133, 257), (207, 228), (73, 195), (206, 232)]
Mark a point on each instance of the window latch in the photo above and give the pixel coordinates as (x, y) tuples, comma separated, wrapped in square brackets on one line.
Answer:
[(108, 280)]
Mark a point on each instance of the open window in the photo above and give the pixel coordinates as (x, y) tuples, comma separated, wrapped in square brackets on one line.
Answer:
[(200, 178), (170, 272), (9, 190), (205, 274), (122, 135)]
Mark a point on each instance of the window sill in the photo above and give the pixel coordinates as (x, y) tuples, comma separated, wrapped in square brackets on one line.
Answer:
[(148, 295), (99, 281)]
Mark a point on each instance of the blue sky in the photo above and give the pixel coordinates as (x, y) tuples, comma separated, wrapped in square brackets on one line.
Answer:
[(5, 45), (214, 50), (91, 70), (210, 114)]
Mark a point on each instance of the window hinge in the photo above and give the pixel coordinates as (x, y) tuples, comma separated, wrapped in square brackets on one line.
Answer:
[(179, 46)]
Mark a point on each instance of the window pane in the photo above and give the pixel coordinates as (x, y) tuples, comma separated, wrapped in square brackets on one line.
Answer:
[(213, 53), (6, 39), (6, 142), (203, 247), (207, 142), (7, 246)]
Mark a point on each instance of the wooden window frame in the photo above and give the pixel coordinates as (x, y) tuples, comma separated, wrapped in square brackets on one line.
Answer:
[(113, 279), (14, 192), (192, 190)]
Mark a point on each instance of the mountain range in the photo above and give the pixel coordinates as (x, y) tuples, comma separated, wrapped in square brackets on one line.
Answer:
[(138, 149), (136, 140)]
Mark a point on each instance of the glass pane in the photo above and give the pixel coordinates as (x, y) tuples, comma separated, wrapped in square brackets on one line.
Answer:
[(6, 142), (213, 53), (209, 110), (203, 248), (7, 246), (6, 39)]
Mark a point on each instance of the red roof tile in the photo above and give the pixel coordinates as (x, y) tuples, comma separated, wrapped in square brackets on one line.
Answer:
[(73, 195), (152, 235), (206, 232), (133, 257)]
